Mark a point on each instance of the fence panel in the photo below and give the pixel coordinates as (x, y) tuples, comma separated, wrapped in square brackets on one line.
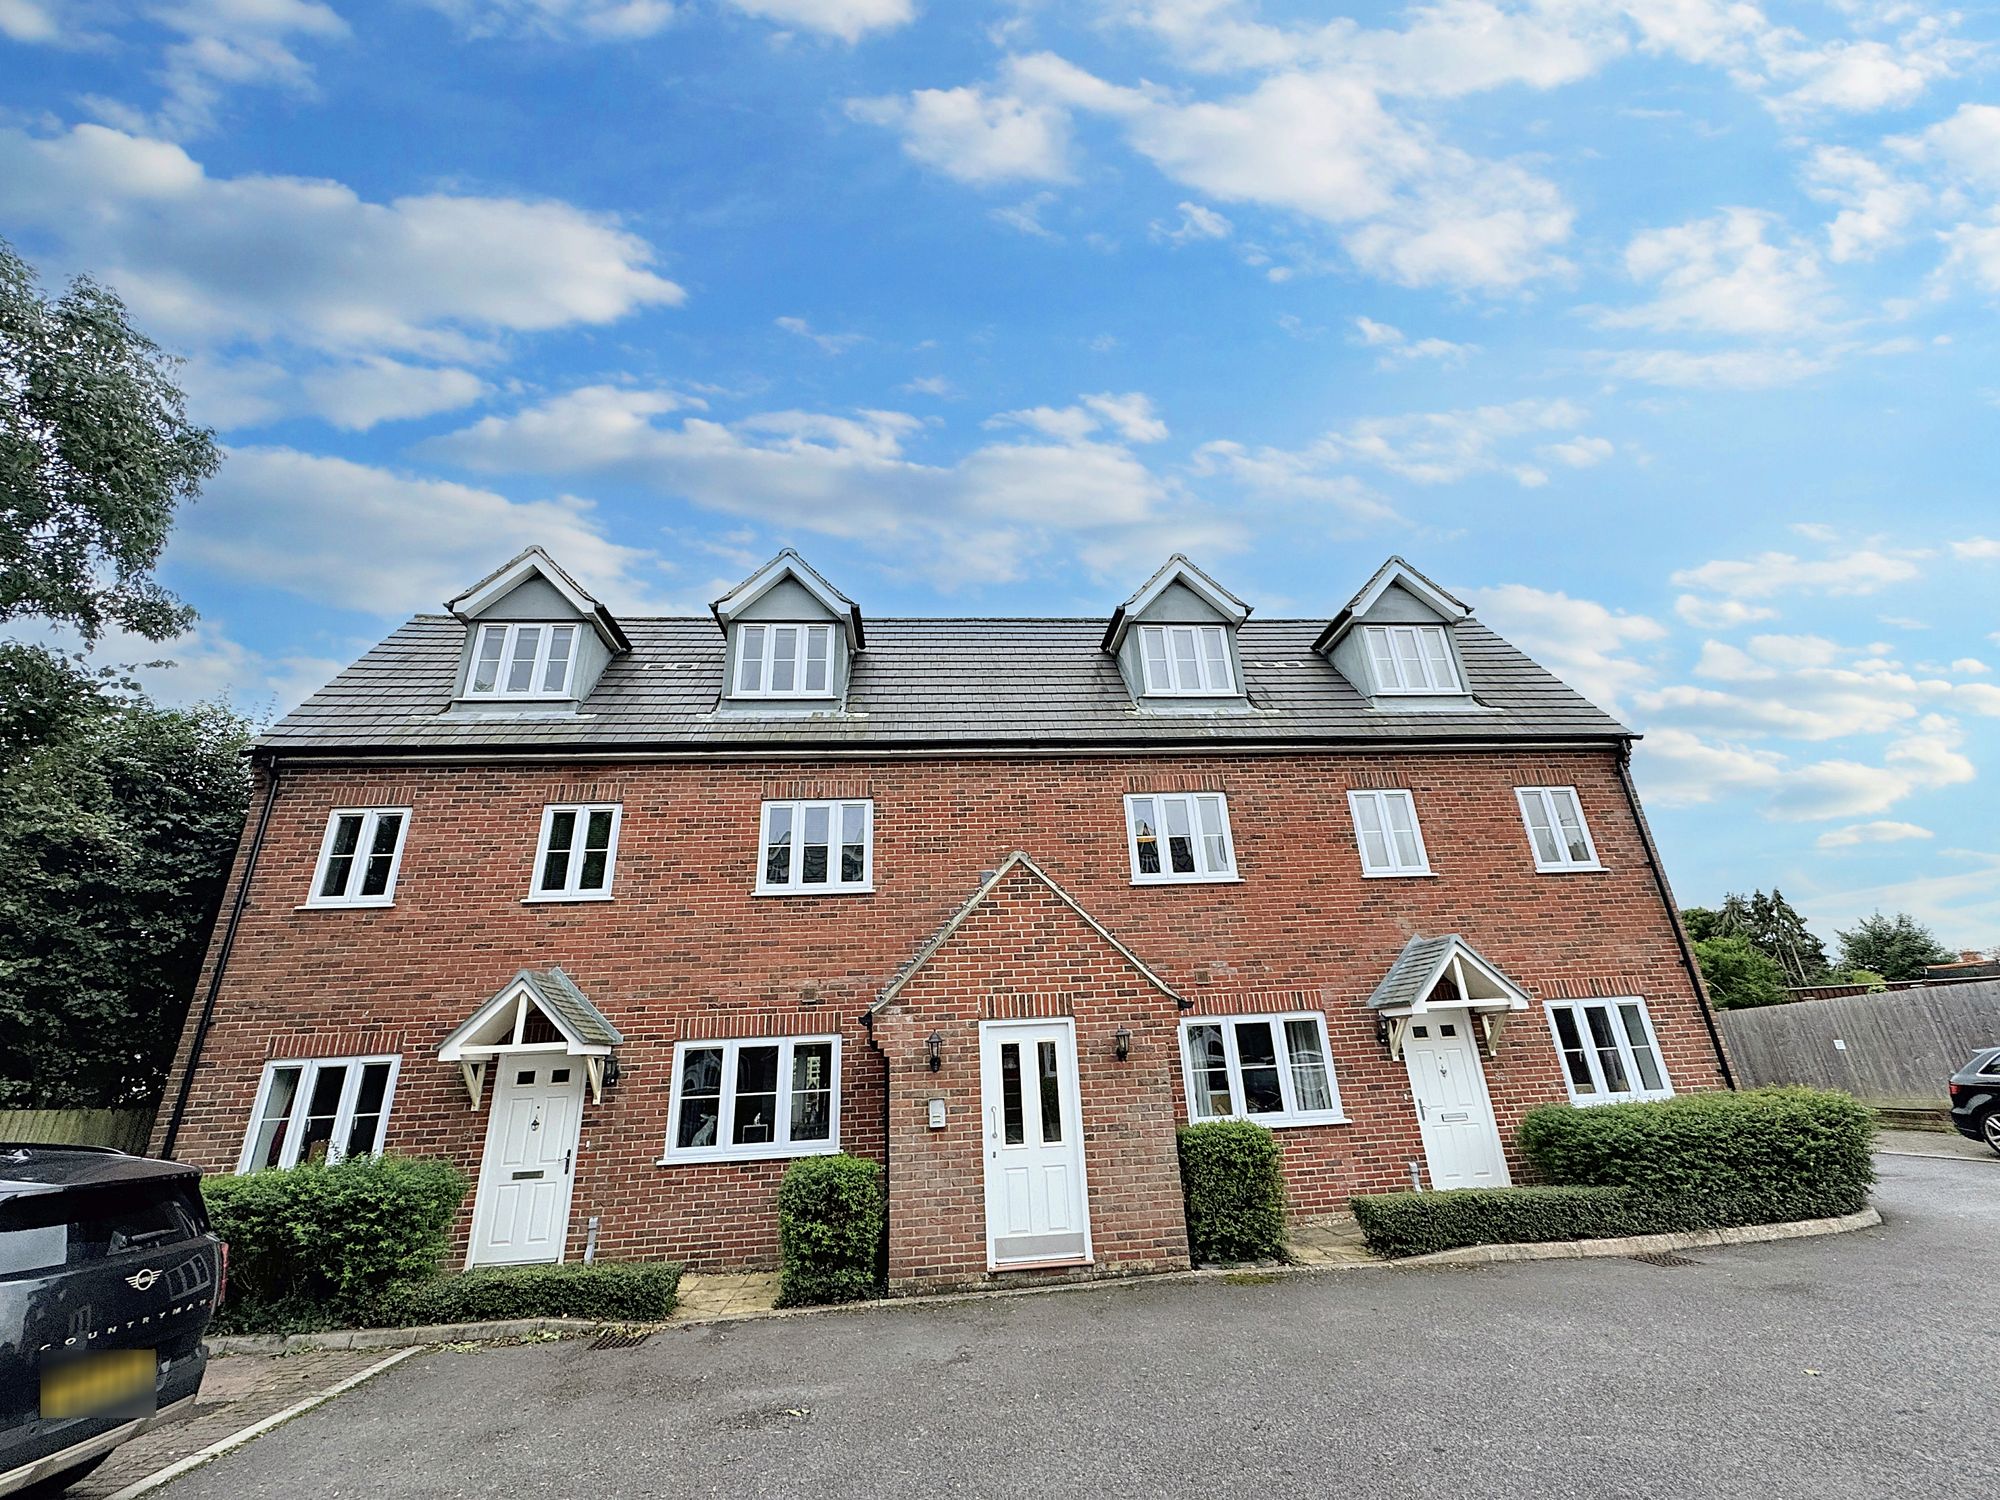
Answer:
[(126, 1129), (1895, 1049)]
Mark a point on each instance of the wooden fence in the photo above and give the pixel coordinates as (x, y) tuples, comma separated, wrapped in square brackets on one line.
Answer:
[(126, 1129), (1894, 1050)]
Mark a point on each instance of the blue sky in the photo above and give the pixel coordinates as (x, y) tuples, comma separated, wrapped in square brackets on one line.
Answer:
[(1662, 330)]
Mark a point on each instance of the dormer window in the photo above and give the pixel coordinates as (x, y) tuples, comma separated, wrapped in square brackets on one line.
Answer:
[(784, 661), (1187, 661), (1411, 659), (522, 661)]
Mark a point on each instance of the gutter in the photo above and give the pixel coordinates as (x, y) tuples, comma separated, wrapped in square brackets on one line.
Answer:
[(221, 965), (1673, 913)]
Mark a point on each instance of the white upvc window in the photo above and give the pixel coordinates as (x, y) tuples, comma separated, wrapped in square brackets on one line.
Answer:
[(522, 661), (1609, 1051), (1385, 828), (1179, 836), (323, 1109), (808, 848), (1411, 659), (578, 846), (359, 857), (784, 661), (1556, 830), (1274, 1069), (1186, 661), (771, 1096)]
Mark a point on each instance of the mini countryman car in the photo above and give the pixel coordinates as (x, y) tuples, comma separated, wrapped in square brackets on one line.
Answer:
[(1975, 1098), (108, 1278)]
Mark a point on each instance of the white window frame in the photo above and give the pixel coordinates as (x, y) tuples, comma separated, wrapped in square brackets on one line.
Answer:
[(1291, 1116), (726, 1102), (570, 890), (766, 637), (1202, 874), (1392, 678), (796, 884), (1545, 797), (1381, 800), (509, 633), (1622, 1043), (343, 1119), (357, 873), (1211, 679)]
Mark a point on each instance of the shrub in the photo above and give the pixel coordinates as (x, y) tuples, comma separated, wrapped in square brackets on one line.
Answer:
[(1758, 1157), (1739, 974), (311, 1246), (1398, 1224), (830, 1231), (1235, 1191), (607, 1290)]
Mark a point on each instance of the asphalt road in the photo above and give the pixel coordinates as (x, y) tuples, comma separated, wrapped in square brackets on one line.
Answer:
[(1850, 1366)]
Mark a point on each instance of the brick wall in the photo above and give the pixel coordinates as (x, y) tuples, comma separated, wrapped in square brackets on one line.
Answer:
[(686, 949)]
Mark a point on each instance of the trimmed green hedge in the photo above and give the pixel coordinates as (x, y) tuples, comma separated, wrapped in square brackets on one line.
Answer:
[(313, 1246), (1235, 1192), (608, 1290), (1762, 1156), (831, 1219), (1698, 1161)]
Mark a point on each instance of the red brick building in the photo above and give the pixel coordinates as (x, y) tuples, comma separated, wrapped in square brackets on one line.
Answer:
[(624, 916)]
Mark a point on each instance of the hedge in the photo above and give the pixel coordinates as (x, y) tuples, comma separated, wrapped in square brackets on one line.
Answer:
[(607, 1290), (1234, 1191), (1698, 1161), (314, 1246), (831, 1220)]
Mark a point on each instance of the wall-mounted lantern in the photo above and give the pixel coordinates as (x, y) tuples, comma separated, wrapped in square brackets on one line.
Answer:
[(934, 1050), (1123, 1039)]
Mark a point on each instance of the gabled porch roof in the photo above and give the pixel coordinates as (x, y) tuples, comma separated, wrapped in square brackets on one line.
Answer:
[(1444, 973)]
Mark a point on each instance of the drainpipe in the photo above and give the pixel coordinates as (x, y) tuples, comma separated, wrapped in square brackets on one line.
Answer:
[(221, 964), (868, 1025), (1673, 912)]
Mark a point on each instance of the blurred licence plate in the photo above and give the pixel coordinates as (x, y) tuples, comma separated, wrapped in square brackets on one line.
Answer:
[(113, 1382)]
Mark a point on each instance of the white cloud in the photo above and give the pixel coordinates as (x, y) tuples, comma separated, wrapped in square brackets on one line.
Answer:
[(1580, 640), (27, 21), (975, 136), (205, 259), (1444, 447), (1579, 452), (1862, 76), (1877, 208), (353, 395), (351, 536), (1728, 369), (1865, 570), (1971, 666), (850, 20), (829, 343), (1722, 275), (1977, 548), (1962, 906), (1966, 145), (1197, 223), (1720, 614), (1882, 831), (583, 20), (1398, 348), (1678, 769)]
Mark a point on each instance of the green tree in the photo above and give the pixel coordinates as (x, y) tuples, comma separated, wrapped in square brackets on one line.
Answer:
[(117, 820), (96, 451), (1772, 925), (1895, 947), (1739, 974), (1702, 923)]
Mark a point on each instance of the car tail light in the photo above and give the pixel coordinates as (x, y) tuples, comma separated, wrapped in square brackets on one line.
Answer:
[(221, 1272), (1958, 1091)]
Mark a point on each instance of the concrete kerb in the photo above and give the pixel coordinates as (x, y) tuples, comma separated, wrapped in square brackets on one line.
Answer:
[(473, 1333)]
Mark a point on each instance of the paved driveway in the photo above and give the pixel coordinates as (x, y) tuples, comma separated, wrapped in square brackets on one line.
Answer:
[(1810, 1368)]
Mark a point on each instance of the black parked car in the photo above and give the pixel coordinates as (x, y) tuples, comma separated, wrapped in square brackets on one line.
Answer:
[(1975, 1098), (108, 1279)]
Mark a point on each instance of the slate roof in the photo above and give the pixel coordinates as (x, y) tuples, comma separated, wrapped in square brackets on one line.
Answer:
[(921, 683), (1412, 970), (558, 992)]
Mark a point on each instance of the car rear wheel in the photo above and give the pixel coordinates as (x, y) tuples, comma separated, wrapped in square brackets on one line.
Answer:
[(55, 1484), (1989, 1130)]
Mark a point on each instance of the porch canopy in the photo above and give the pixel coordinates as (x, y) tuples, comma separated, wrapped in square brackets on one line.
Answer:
[(538, 1010), (1443, 973)]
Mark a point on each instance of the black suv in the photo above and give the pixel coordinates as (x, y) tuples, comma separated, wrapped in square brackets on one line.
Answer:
[(1975, 1098), (108, 1278)]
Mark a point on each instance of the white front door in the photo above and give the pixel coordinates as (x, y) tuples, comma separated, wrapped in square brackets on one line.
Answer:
[(1036, 1210), (522, 1212), (1460, 1138)]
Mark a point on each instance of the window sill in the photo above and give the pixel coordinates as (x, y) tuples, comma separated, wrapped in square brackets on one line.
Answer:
[(1277, 1122), (1643, 1096), (823, 890), (473, 700), (564, 898), (1187, 880), (1571, 870), (747, 1153), (1399, 875), (345, 905)]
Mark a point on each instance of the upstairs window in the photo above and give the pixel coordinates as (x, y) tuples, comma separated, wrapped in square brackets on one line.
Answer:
[(815, 847), (1411, 659), (755, 1099), (359, 857), (578, 845), (320, 1111), (784, 661), (1556, 828), (1187, 661), (1385, 826), (522, 661), (1609, 1052), (1275, 1070), (1179, 837)]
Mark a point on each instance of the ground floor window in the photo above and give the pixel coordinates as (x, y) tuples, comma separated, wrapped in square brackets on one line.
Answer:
[(322, 1110), (777, 1097), (1609, 1051), (1274, 1069)]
